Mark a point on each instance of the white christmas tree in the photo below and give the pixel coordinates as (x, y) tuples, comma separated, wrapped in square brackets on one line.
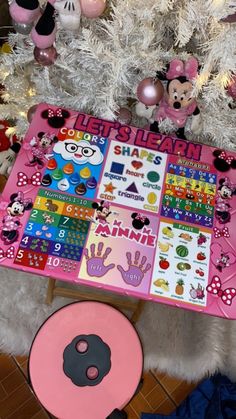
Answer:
[(100, 65)]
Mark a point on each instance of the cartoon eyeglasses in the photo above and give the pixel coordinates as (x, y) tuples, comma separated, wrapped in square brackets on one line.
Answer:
[(79, 151)]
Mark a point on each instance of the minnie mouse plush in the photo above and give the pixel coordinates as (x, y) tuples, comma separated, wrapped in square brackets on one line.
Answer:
[(178, 102), (11, 222)]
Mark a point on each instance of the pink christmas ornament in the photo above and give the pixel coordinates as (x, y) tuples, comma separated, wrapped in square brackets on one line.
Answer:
[(124, 116), (231, 89), (31, 112), (46, 56), (92, 8), (150, 91)]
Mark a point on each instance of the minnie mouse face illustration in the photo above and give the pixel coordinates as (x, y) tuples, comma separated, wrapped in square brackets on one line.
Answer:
[(102, 211), (179, 93), (139, 221), (226, 189), (18, 205), (56, 118), (79, 151), (223, 162), (46, 140), (16, 209)]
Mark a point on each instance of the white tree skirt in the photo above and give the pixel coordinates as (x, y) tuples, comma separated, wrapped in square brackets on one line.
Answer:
[(185, 344)]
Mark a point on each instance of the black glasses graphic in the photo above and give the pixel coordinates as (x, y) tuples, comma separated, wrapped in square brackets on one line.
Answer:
[(77, 149)]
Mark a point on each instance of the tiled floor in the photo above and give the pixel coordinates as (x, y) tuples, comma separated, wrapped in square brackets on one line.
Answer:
[(159, 393)]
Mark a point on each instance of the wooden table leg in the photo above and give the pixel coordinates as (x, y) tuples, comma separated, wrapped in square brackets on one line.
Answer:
[(138, 311), (51, 286)]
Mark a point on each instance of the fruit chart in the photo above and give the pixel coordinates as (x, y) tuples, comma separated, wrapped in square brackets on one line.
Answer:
[(108, 205)]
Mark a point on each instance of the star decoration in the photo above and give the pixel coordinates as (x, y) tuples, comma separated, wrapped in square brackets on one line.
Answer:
[(110, 188)]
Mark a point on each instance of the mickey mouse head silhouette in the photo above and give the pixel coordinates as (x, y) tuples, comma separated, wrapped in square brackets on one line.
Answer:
[(223, 162), (56, 118), (139, 221)]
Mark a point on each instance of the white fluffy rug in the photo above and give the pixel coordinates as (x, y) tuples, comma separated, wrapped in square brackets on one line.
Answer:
[(185, 344)]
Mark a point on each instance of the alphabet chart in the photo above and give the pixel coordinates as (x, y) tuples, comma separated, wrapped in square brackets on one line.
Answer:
[(101, 203)]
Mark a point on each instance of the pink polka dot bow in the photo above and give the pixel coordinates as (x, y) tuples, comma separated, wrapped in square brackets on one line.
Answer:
[(9, 253), (23, 179), (224, 232), (52, 113), (215, 288)]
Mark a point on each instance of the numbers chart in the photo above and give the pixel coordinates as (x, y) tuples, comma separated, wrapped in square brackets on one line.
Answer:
[(128, 210), (56, 232)]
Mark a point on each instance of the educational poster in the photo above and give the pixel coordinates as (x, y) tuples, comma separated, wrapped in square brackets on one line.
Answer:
[(112, 261), (189, 193), (96, 202), (55, 233), (75, 163), (182, 260), (133, 176)]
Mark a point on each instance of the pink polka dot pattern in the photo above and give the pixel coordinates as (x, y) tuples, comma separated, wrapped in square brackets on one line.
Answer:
[(215, 288)]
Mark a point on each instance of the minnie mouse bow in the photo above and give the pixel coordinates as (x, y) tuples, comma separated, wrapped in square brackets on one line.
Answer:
[(224, 156), (57, 112), (140, 217), (224, 232), (178, 68), (9, 253), (23, 179), (20, 198), (215, 288)]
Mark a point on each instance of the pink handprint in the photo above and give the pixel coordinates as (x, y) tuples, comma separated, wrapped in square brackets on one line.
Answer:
[(95, 262), (135, 272)]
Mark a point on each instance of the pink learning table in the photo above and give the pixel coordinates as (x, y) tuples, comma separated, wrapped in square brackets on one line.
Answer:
[(99, 203), (85, 361)]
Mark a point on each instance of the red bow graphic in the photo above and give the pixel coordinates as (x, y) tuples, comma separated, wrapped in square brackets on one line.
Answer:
[(224, 156), (23, 179), (215, 288), (224, 232), (9, 253), (52, 113)]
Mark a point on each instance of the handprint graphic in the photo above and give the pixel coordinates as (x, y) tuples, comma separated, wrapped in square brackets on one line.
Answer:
[(95, 262), (135, 272)]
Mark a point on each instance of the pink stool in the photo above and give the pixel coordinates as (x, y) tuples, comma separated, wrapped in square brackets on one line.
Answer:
[(86, 362)]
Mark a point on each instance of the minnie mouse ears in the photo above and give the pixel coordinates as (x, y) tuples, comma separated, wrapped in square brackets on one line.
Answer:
[(223, 162), (56, 118)]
